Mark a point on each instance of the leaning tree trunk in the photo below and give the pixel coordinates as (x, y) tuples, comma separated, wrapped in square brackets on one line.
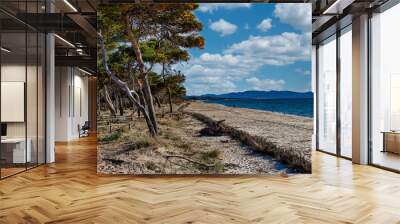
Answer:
[(124, 87), (109, 102), (168, 89), (157, 101), (139, 91), (149, 101), (99, 107), (169, 99), (120, 104), (143, 74), (141, 97)]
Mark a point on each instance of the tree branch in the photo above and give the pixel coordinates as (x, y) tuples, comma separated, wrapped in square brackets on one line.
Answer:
[(125, 88), (119, 82), (135, 46)]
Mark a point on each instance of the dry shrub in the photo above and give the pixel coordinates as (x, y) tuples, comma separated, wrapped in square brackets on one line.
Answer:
[(109, 138), (210, 156)]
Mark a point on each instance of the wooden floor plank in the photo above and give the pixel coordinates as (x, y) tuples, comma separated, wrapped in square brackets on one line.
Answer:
[(70, 191)]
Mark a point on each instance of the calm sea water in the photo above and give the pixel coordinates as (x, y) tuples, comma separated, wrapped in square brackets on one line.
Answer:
[(299, 107)]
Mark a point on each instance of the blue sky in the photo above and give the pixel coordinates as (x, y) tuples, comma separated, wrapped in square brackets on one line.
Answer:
[(257, 46)]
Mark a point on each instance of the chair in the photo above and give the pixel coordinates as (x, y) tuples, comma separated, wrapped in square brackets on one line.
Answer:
[(84, 130)]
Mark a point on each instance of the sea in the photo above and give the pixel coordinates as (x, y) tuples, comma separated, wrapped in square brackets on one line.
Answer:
[(299, 107)]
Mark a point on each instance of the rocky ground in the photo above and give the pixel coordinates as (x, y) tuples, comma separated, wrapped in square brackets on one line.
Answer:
[(287, 137), (186, 145)]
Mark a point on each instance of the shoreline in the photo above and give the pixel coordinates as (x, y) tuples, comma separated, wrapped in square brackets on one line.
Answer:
[(262, 110), (285, 137)]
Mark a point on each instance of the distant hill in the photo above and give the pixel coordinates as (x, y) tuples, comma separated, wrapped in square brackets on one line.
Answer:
[(253, 94)]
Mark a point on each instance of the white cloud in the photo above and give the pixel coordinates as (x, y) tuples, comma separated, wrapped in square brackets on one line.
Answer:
[(265, 84), (246, 27), (223, 27), (303, 71), (209, 84), (229, 66), (227, 58), (238, 64), (211, 7), (265, 25), (282, 49), (295, 14)]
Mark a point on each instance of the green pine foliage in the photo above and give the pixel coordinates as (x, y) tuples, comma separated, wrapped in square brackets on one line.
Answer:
[(162, 33)]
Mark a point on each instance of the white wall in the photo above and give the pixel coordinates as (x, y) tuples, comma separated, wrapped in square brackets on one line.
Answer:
[(62, 81), (71, 87), (33, 126), (81, 108), (12, 73)]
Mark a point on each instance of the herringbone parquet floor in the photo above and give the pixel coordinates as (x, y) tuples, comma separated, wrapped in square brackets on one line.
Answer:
[(69, 191)]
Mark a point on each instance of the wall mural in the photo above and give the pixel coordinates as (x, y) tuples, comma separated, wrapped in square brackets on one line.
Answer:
[(204, 88)]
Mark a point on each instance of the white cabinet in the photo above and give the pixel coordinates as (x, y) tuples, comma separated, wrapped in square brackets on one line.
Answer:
[(19, 155)]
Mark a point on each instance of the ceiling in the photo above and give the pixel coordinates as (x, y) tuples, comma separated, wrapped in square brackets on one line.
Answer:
[(74, 22), (331, 15)]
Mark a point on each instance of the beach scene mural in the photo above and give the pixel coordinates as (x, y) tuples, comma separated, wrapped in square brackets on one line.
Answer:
[(204, 88)]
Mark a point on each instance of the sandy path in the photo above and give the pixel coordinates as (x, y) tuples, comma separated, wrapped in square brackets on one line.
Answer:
[(287, 136)]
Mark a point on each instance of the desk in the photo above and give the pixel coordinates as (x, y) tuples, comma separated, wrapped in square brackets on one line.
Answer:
[(391, 141), (13, 150)]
